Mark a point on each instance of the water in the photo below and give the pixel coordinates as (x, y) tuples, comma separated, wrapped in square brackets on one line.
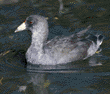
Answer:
[(90, 76)]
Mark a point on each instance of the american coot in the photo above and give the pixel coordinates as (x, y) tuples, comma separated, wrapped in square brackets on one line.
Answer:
[(59, 50)]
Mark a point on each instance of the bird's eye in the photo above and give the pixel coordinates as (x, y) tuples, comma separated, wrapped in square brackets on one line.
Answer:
[(30, 22)]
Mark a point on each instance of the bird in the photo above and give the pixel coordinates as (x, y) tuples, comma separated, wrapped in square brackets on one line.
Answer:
[(60, 49)]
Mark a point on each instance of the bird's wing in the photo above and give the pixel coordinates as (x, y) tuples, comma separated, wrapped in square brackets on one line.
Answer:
[(73, 47), (66, 45)]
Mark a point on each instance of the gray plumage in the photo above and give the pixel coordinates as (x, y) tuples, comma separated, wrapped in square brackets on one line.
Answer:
[(59, 50)]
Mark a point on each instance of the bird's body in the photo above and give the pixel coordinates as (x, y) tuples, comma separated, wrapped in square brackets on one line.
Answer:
[(59, 50)]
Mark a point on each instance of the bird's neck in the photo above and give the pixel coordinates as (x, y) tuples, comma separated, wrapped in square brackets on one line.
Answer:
[(39, 36)]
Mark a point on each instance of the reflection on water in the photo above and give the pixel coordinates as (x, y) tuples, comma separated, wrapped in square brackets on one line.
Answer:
[(89, 76)]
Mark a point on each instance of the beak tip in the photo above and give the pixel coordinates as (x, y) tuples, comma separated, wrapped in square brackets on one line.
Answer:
[(16, 31)]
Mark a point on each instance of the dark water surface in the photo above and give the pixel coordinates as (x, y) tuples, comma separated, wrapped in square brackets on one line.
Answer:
[(90, 76)]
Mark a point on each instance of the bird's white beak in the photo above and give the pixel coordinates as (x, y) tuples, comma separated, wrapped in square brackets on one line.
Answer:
[(21, 27)]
